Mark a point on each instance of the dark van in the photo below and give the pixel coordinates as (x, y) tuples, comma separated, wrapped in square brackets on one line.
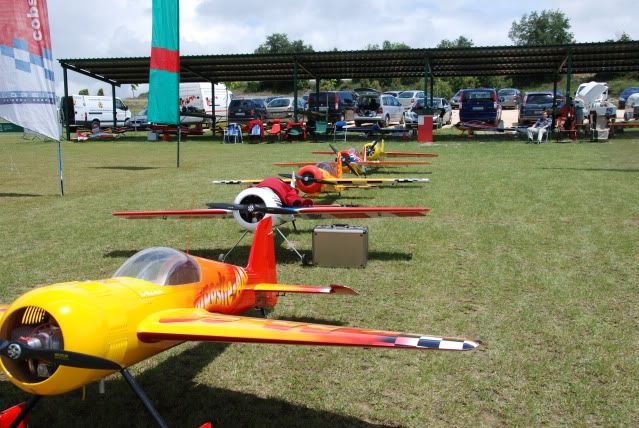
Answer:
[(331, 105), (479, 105)]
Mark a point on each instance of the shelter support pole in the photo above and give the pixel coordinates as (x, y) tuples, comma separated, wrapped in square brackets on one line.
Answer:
[(295, 91), (554, 101), (426, 69), (568, 76), (115, 118), (317, 88), (65, 104), (432, 80), (212, 108)]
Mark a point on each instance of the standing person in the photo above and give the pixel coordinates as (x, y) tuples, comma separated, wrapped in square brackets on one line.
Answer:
[(539, 128)]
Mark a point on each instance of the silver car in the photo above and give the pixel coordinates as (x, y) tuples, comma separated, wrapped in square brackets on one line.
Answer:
[(408, 98), (509, 98), (378, 108), (442, 113), (282, 108)]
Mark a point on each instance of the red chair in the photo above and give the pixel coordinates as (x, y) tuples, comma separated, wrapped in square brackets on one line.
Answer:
[(256, 130), (275, 129)]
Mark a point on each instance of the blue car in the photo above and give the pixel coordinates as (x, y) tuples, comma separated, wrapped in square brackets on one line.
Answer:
[(623, 96), (480, 105)]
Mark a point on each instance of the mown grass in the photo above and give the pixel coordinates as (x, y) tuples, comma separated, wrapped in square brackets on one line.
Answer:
[(531, 249)]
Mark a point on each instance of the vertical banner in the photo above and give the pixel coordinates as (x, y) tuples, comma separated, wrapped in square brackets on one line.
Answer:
[(27, 86), (164, 73)]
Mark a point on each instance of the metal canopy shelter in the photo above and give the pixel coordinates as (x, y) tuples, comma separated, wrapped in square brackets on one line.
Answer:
[(503, 60), (427, 63)]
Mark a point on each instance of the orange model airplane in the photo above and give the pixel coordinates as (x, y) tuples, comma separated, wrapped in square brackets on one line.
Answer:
[(359, 163), (374, 151), (61, 337)]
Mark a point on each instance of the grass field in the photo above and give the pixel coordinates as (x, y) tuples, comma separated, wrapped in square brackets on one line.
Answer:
[(533, 249)]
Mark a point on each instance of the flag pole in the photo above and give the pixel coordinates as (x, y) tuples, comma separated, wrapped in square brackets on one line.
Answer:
[(60, 168)]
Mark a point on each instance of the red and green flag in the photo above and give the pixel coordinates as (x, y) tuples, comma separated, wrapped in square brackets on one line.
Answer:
[(164, 75)]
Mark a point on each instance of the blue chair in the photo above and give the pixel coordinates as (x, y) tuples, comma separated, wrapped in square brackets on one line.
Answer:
[(232, 134), (339, 129)]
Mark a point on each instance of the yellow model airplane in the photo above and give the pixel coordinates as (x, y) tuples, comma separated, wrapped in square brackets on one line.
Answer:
[(60, 337)]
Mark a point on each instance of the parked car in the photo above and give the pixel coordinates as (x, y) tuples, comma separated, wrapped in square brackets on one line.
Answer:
[(631, 110), (509, 98), (454, 100), (442, 113), (246, 109), (280, 108), (408, 98), (534, 102), (140, 120), (393, 93), (378, 108), (480, 104), (331, 105), (623, 96)]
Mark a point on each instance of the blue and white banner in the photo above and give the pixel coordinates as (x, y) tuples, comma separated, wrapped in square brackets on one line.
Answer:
[(27, 85)]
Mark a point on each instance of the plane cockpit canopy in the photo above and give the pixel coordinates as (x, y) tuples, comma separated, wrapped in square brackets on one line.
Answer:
[(161, 266)]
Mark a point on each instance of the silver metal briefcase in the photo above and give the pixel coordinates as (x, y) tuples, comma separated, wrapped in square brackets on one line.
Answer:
[(340, 245)]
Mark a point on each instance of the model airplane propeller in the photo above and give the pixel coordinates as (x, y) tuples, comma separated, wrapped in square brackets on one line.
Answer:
[(61, 337)]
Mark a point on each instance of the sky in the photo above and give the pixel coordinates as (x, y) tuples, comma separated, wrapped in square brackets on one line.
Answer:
[(122, 28)]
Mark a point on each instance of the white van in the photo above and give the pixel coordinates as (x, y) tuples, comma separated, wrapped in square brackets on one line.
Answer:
[(197, 98), (93, 110)]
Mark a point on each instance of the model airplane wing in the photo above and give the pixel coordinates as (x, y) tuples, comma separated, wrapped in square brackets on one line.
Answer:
[(200, 325), (3, 309), (410, 155), (355, 181), (295, 288), (359, 212), (197, 213), (389, 154), (296, 163), (391, 163), (246, 181)]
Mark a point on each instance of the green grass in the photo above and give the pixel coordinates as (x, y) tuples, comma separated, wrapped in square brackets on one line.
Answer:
[(532, 249)]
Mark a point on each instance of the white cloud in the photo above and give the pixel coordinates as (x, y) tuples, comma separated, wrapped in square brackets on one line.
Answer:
[(122, 28)]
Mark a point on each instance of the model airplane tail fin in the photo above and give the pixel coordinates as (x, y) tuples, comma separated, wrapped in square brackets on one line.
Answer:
[(261, 261)]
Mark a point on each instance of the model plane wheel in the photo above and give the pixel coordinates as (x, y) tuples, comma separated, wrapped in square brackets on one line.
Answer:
[(306, 260)]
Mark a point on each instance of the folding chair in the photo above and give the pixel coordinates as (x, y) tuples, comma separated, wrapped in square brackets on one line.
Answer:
[(275, 129), (295, 130), (321, 128), (339, 129), (232, 134), (256, 130)]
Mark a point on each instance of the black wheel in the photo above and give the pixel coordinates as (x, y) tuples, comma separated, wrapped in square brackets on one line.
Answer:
[(386, 121), (306, 260), (95, 123), (127, 122)]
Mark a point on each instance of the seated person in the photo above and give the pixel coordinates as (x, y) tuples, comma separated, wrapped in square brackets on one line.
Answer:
[(539, 128)]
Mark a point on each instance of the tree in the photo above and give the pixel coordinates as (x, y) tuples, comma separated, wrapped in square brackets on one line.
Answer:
[(278, 43), (134, 87), (101, 92), (460, 42), (83, 92), (550, 27), (624, 37)]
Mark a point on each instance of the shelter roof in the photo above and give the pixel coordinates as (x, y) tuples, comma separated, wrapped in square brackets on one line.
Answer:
[(492, 60)]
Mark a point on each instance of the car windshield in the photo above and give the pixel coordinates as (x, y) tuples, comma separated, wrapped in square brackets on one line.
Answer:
[(507, 92), (161, 266), (539, 99), (369, 101), (477, 95), (406, 94)]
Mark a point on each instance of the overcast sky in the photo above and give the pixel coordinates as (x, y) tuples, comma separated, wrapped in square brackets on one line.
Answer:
[(122, 28)]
